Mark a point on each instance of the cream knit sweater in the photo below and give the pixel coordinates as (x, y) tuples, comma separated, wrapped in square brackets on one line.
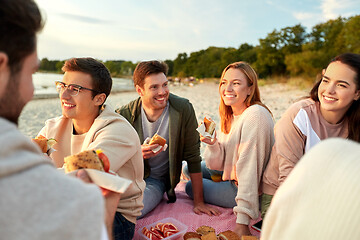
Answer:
[(320, 198), (242, 155)]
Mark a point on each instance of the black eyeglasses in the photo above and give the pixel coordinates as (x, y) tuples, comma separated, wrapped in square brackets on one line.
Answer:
[(72, 88)]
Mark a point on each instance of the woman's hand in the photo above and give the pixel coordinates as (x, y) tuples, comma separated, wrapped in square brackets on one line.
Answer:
[(207, 140)]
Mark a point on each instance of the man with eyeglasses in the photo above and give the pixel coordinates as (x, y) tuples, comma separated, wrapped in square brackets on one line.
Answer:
[(87, 123), (37, 201)]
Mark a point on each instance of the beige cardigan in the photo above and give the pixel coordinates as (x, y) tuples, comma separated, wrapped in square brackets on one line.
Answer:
[(242, 155), (119, 141)]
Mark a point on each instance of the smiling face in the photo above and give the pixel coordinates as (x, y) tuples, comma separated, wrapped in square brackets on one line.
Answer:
[(234, 90), (83, 107), (155, 93), (337, 91)]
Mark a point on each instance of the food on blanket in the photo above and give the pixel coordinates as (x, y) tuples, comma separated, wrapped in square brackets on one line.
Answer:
[(209, 236), (203, 230), (157, 139), (87, 159), (228, 235), (249, 238), (209, 125), (44, 143), (192, 236), (160, 231)]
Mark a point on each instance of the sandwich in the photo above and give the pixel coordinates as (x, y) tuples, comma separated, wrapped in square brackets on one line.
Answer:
[(192, 236), (44, 143), (87, 159), (209, 125), (204, 230), (157, 139), (209, 236), (248, 238), (228, 235)]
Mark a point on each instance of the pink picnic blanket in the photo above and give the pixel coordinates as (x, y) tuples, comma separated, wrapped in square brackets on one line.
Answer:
[(182, 210)]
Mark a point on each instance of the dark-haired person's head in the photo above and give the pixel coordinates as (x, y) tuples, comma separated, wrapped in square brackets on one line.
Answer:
[(152, 85), (338, 92), (85, 86), (100, 75), (20, 20), (146, 68)]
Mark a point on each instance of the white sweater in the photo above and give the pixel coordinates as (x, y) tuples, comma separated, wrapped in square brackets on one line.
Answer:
[(242, 155)]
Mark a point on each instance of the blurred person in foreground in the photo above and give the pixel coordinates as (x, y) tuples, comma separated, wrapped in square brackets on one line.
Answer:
[(87, 123), (37, 202), (320, 197), (173, 118)]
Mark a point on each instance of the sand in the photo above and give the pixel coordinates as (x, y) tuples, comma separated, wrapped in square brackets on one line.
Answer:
[(203, 96)]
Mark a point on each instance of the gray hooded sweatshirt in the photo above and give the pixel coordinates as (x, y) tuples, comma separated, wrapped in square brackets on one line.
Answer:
[(38, 202)]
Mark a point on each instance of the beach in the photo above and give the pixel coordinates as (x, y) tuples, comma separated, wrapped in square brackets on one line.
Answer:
[(204, 97)]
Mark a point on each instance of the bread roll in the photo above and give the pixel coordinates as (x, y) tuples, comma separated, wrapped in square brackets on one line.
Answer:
[(157, 139), (203, 230), (228, 235), (85, 159), (192, 236)]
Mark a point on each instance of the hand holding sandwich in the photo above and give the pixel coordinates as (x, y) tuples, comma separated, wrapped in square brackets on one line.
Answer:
[(153, 146)]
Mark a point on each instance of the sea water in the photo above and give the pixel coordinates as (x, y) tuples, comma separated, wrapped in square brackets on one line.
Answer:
[(44, 84)]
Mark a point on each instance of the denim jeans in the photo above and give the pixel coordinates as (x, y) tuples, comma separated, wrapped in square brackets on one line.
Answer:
[(153, 194), (217, 193), (122, 228)]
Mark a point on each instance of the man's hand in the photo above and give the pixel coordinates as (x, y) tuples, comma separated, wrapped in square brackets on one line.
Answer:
[(242, 230), (200, 208), (147, 150)]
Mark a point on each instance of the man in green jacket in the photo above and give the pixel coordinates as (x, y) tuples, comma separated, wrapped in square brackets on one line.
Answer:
[(173, 118)]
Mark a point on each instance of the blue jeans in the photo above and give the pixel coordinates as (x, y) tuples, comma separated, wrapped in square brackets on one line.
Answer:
[(153, 194), (217, 193), (122, 228)]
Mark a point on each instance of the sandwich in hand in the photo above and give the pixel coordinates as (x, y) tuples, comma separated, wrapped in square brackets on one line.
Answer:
[(44, 143), (87, 159), (209, 125), (157, 139)]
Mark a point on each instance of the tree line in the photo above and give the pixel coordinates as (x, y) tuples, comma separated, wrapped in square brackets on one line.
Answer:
[(290, 51)]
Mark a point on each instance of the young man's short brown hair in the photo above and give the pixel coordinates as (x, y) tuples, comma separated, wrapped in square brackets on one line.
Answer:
[(101, 78), (144, 69)]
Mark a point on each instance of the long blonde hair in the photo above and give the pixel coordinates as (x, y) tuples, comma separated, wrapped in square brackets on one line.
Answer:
[(226, 112)]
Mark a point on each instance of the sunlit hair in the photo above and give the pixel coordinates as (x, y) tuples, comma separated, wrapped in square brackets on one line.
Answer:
[(146, 68), (100, 75), (226, 113), (352, 60)]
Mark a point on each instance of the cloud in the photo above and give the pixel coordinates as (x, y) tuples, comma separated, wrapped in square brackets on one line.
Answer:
[(84, 19), (334, 8)]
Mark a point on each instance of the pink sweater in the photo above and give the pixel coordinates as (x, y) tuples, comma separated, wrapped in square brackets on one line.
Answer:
[(299, 129), (242, 155)]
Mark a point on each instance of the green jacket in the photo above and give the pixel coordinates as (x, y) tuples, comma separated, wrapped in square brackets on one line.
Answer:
[(184, 141)]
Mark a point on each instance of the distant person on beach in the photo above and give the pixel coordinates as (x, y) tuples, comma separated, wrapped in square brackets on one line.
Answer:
[(87, 123), (37, 201), (320, 198), (332, 110), (242, 149), (173, 118)]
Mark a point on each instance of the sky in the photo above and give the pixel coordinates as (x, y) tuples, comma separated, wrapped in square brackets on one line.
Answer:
[(141, 30)]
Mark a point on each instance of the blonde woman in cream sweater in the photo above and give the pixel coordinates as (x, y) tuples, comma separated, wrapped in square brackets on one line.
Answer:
[(242, 149)]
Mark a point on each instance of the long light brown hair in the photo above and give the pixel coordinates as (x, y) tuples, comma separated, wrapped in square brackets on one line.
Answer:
[(226, 112)]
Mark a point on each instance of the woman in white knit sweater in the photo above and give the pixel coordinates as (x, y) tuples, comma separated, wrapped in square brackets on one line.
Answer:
[(242, 149)]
